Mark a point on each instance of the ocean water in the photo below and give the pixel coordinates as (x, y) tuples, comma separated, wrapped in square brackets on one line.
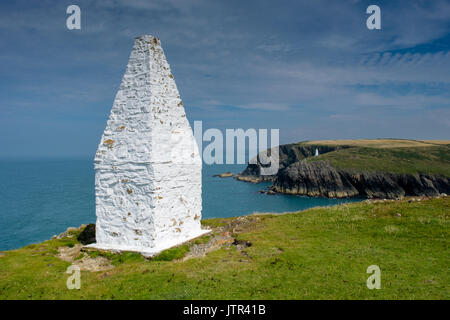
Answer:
[(43, 197)]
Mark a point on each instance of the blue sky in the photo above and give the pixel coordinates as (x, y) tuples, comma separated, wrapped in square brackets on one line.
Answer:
[(309, 68)]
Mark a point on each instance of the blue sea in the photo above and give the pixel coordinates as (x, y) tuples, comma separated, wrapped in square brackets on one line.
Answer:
[(43, 197)]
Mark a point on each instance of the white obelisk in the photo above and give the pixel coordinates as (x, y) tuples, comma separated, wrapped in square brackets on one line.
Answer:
[(147, 166)]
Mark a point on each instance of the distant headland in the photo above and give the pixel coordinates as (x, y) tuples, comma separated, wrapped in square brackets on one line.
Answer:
[(376, 168)]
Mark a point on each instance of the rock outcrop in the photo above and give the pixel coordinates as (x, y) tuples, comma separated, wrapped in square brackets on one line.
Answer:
[(87, 236), (288, 154), (319, 178)]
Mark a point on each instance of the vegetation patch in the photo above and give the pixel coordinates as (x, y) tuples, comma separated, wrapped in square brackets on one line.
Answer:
[(202, 240), (431, 159), (116, 258), (172, 254)]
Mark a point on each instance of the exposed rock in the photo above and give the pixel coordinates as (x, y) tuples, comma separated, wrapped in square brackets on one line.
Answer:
[(288, 154), (87, 236), (224, 175), (253, 179), (69, 233), (214, 243), (241, 244), (223, 236), (76, 256), (319, 178)]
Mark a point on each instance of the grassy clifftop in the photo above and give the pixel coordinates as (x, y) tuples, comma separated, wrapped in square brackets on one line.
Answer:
[(321, 253), (387, 155)]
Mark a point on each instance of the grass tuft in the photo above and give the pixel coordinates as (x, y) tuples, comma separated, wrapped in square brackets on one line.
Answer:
[(172, 254)]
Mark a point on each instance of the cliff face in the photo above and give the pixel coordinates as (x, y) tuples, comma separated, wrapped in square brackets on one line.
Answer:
[(313, 179), (288, 154), (319, 178)]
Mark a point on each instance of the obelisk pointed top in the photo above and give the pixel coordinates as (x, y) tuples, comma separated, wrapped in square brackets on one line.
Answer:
[(148, 38)]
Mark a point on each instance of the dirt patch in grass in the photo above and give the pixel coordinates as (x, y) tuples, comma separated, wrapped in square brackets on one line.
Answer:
[(76, 256), (224, 234)]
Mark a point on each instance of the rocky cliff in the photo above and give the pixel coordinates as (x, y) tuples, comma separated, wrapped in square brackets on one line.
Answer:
[(319, 178), (297, 175), (288, 154)]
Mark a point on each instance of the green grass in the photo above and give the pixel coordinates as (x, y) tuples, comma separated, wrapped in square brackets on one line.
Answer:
[(117, 258), (321, 253), (202, 240), (412, 160), (80, 256), (172, 254)]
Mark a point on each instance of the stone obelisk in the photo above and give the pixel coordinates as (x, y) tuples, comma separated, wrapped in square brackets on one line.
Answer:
[(147, 166)]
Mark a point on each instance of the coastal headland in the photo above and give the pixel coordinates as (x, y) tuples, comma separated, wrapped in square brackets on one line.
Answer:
[(377, 168)]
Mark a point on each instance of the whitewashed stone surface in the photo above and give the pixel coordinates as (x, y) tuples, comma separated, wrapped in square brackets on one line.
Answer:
[(148, 166)]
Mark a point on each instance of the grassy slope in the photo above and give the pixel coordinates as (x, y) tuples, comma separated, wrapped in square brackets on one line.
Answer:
[(395, 156), (320, 253)]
